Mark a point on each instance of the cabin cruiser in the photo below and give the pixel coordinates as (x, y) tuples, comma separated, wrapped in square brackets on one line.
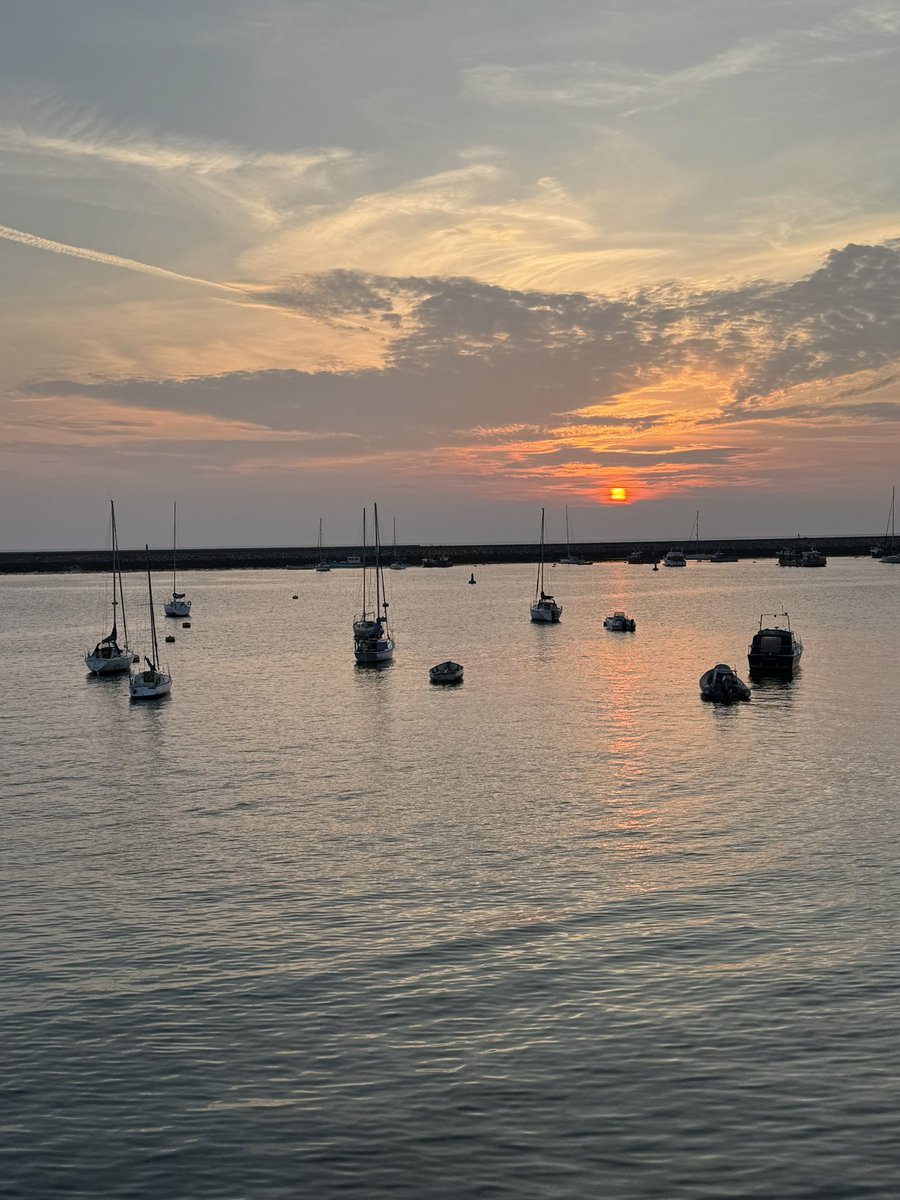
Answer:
[(619, 623), (813, 558), (721, 685), (675, 558), (775, 649)]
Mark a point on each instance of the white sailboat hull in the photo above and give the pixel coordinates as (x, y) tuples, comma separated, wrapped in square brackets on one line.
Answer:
[(147, 685), (378, 652), (546, 613), (178, 608), (101, 665)]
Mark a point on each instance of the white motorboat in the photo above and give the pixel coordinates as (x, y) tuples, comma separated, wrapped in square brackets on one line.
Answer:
[(619, 623), (177, 605), (446, 672), (675, 558), (721, 685), (372, 640), (544, 608), (109, 656), (152, 682)]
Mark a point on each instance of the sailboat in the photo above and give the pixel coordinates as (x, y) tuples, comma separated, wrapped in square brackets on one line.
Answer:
[(148, 684), (321, 564), (108, 656), (177, 606), (372, 640), (570, 559), (544, 608), (398, 564), (890, 554), (694, 538)]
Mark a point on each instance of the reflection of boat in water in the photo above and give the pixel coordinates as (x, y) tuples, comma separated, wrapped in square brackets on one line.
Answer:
[(675, 558), (619, 623), (775, 649), (148, 684), (446, 672), (108, 657), (721, 685), (372, 641), (544, 608)]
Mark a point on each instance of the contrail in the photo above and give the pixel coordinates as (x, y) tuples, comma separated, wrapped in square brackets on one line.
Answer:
[(109, 260)]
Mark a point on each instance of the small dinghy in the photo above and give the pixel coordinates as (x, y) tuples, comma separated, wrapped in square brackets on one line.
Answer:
[(720, 685), (619, 623), (446, 672)]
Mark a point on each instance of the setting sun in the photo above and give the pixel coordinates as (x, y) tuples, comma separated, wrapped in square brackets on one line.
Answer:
[(618, 494)]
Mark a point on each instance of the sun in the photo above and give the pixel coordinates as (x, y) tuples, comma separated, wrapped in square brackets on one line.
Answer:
[(618, 495)]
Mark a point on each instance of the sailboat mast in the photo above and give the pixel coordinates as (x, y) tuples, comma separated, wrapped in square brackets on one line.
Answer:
[(539, 585), (115, 564), (364, 565), (568, 548), (377, 565), (152, 616), (117, 572), (174, 540)]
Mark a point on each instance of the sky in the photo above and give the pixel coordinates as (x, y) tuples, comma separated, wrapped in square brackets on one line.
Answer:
[(278, 260)]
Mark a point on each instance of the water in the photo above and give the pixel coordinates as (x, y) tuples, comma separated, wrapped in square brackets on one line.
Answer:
[(304, 929)]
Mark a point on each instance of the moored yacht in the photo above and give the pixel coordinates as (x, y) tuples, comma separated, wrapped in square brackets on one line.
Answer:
[(177, 605), (675, 558), (109, 657), (544, 608), (776, 648), (372, 640), (618, 622), (152, 682)]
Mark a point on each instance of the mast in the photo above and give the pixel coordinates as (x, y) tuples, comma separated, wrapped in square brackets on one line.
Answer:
[(377, 565), (364, 565), (568, 547), (115, 565), (539, 585), (152, 616), (117, 574), (320, 539), (174, 541)]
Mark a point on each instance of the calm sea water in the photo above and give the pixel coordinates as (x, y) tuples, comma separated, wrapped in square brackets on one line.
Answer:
[(305, 929)]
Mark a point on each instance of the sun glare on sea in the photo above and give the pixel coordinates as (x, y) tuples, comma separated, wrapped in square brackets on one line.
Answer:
[(619, 495)]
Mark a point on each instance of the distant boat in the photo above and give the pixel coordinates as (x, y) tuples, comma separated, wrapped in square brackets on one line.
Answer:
[(108, 656), (881, 547), (721, 557), (570, 559), (675, 558), (148, 684), (639, 558), (721, 685), (544, 608), (890, 546), (619, 623), (812, 558), (775, 649), (437, 560), (398, 564), (372, 640), (694, 539), (446, 672), (177, 605), (321, 562)]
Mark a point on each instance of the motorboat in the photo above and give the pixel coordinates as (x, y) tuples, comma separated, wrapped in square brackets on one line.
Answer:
[(619, 623), (721, 685), (372, 640), (775, 648), (675, 558), (721, 557), (544, 608), (639, 558), (446, 672), (437, 560), (109, 657), (177, 605), (812, 558), (795, 556), (150, 683)]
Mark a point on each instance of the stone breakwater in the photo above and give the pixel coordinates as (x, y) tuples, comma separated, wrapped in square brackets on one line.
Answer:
[(24, 562)]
